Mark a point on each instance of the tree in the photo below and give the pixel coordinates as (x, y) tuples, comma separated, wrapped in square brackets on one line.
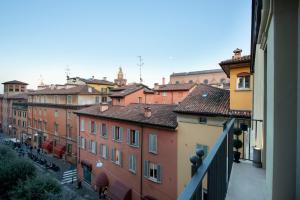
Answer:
[(39, 188)]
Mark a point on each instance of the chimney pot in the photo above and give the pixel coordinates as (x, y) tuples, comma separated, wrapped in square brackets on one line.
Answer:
[(237, 53), (147, 112)]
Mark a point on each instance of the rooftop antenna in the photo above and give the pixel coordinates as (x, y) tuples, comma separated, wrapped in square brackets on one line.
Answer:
[(140, 64), (67, 71)]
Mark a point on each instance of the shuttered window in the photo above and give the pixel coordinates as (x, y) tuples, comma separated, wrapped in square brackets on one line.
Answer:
[(117, 133), (103, 151), (152, 143), (103, 130), (132, 163), (152, 171), (132, 137), (82, 125), (116, 156), (93, 127)]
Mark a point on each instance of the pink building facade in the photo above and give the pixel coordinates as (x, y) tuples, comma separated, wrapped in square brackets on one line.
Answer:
[(136, 153)]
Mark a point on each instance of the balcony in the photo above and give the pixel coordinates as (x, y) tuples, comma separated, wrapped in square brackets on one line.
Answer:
[(218, 178)]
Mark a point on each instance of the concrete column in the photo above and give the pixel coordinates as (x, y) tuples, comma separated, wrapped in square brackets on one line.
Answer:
[(282, 100)]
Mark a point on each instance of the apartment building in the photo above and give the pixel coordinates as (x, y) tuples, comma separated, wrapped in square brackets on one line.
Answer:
[(213, 77), (52, 124), (129, 149), (14, 91), (19, 125)]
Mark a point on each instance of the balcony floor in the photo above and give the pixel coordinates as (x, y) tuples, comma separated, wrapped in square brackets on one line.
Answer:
[(246, 182)]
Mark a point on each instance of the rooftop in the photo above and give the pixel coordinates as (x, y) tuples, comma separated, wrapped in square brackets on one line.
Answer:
[(197, 72), (78, 89), (234, 63), (162, 115), (175, 87), (15, 82), (94, 81), (128, 89), (208, 100)]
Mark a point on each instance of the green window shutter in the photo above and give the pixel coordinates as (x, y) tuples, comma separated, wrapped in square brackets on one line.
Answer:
[(100, 149), (204, 147), (106, 156), (159, 173), (129, 162), (150, 142), (121, 134), (95, 129), (100, 127), (113, 128), (112, 154), (90, 127), (120, 157), (134, 162), (95, 147), (128, 136), (146, 168), (137, 137)]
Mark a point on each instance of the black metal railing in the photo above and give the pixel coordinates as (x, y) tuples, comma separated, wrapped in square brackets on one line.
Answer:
[(217, 166)]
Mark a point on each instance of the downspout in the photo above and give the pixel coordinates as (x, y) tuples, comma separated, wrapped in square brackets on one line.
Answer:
[(141, 164)]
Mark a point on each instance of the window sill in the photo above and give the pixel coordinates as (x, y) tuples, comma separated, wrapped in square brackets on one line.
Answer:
[(154, 180), (116, 163), (242, 89), (104, 137), (118, 141), (134, 146), (152, 152), (132, 171)]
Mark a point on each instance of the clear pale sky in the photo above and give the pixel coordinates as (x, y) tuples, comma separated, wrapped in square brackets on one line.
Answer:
[(95, 37)]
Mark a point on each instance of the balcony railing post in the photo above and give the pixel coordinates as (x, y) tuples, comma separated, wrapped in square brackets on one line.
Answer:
[(196, 161)]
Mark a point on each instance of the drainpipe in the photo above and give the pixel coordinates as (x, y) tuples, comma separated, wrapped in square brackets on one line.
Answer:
[(141, 164)]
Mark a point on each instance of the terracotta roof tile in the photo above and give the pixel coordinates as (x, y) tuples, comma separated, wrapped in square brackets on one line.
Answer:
[(162, 114), (79, 89), (126, 90), (208, 100), (175, 87)]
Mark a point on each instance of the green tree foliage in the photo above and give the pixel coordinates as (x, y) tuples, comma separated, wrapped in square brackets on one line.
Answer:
[(39, 188)]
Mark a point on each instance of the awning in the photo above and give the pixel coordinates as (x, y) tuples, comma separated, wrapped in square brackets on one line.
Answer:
[(59, 150), (87, 164), (47, 145), (118, 191), (101, 180)]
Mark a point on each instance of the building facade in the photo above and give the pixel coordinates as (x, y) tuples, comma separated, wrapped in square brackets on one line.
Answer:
[(214, 77), (129, 145), (19, 125), (14, 91), (52, 124)]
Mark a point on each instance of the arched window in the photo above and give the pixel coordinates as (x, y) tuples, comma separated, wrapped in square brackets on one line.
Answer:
[(205, 81)]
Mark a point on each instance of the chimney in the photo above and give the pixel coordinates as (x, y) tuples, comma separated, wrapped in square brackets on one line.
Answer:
[(93, 77), (103, 107), (163, 81), (156, 86), (147, 112), (237, 53), (104, 78)]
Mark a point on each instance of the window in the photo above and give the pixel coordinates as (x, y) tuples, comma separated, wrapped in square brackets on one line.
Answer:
[(116, 156), (97, 99), (19, 113), (103, 130), (56, 113), (177, 82), (69, 149), (24, 124), (152, 171), (15, 112), (164, 94), (69, 115), (69, 99), (56, 99), (69, 131), (202, 120), (132, 163), (92, 146), (140, 99), (152, 143), (93, 127), (191, 81), (117, 133), (205, 81), (55, 128), (24, 114), (243, 82), (45, 126), (104, 99), (103, 151), (82, 125), (19, 122), (132, 137), (82, 143)]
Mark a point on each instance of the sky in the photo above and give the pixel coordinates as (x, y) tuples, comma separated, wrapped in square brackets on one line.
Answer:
[(39, 39)]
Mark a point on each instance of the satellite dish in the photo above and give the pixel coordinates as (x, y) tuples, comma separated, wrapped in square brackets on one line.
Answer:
[(99, 164)]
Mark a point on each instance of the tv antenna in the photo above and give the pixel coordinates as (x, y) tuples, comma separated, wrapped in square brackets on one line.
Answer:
[(140, 64), (67, 71)]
